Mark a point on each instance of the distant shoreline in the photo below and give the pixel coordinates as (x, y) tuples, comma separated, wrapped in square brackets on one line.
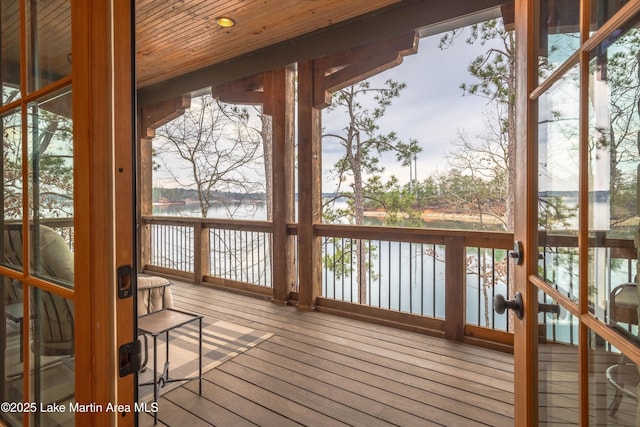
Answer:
[(429, 215)]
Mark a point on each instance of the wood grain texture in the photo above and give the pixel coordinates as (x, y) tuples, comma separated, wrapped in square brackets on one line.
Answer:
[(182, 36), (320, 369)]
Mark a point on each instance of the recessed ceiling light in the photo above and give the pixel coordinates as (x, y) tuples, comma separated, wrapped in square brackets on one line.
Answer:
[(225, 22)]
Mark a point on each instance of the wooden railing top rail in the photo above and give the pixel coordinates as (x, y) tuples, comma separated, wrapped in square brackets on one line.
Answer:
[(623, 248), (490, 239), (51, 222), (226, 224)]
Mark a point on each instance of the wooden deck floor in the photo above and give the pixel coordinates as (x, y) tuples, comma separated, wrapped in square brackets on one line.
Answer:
[(322, 370)]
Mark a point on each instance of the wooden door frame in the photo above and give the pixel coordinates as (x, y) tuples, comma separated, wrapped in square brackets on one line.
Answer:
[(103, 104), (526, 221)]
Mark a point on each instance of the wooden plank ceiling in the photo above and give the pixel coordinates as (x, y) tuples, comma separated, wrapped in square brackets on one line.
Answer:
[(179, 41), (174, 38)]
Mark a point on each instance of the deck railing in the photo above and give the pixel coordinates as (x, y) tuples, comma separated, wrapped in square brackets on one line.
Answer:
[(408, 271), (397, 275), (64, 226), (414, 270), (445, 275), (221, 251), (240, 255)]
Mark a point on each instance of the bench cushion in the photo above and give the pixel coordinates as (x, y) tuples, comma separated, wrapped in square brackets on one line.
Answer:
[(154, 293)]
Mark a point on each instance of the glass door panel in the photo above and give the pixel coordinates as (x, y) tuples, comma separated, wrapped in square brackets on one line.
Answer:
[(12, 362), (38, 209), (558, 383), (48, 41), (614, 159), (558, 184), (613, 385), (51, 201), (52, 380), (50, 167), (602, 10), (10, 50), (12, 189), (587, 144), (559, 34), (560, 29)]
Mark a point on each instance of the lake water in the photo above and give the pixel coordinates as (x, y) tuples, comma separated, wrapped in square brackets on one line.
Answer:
[(404, 277), (258, 211)]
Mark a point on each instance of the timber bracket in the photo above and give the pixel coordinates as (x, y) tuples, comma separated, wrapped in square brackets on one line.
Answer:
[(340, 70)]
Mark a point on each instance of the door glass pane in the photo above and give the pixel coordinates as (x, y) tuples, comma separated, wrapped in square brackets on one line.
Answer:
[(558, 181), (614, 125), (12, 189), (10, 50), (613, 385), (559, 34), (602, 10), (49, 41), (52, 379), (51, 168), (557, 364), (560, 29), (11, 364)]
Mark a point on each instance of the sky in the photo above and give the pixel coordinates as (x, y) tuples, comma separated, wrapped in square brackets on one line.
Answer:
[(431, 109)]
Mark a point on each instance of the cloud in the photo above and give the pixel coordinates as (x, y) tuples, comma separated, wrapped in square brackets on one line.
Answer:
[(431, 109)]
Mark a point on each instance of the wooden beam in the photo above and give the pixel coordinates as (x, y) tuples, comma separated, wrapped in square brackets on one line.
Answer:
[(280, 97), (337, 71), (309, 189), (156, 115), (508, 13), (249, 90)]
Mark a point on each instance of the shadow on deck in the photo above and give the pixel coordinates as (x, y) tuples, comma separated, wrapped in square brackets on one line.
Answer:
[(318, 369)]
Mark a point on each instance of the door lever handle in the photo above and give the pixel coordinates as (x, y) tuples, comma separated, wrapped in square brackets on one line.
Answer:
[(500, 304)]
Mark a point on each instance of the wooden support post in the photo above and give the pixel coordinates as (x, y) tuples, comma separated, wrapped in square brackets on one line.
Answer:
[(201, 252), (455, 259), (144, 190), (279, 92), (317, 79), (274, 90), (150, 117), (309, 189)]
